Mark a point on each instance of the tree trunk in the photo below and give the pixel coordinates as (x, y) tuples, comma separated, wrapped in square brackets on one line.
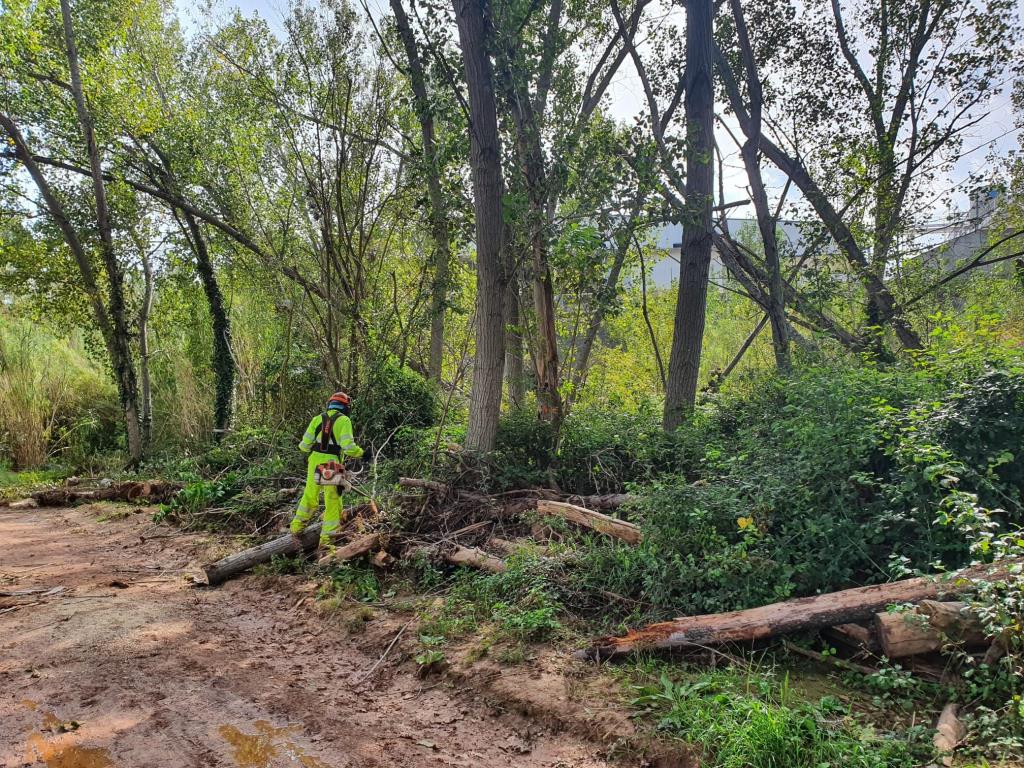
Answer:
[(806, 613), (515, 374), (439, 224), (766, 221), (604, 296), (223, 362), (239, 562), (485, 156), (118, 343), (144, 312), (527, 121), (688, 331), (927, 628), (475, 558)]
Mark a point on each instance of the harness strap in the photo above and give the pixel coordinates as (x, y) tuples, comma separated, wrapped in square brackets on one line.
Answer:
[(326, 438)]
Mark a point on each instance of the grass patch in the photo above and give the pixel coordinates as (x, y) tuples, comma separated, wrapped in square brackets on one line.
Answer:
[(753, 721)]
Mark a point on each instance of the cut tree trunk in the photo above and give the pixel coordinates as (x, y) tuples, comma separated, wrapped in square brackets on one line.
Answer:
[(905, 634), (352, 550), (806, 613), (156, 491), (949, 732), (606, 501), (855, 636), (927, 628), (609, 526), (475, 558), (239, 562)]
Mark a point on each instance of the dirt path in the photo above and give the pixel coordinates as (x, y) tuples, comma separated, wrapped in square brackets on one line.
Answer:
[(159, 673)]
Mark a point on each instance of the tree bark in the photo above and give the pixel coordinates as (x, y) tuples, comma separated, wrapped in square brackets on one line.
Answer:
[(806, 613), (485, 157), (688, 331), (527, 122), (144, 312), (604, 296), (475, 558), (223, 361), (352, 550), (439, 219), (118, 343), (609, 526), (239, 562), (515, 374), (927, 628)]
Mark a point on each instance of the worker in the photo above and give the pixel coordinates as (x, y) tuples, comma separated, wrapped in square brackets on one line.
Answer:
[(328, 438)]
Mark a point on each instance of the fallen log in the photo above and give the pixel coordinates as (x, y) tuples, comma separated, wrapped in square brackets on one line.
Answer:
[(156, 491), (605, 501), (949, 732), (506, 547), (801, 614), (352, 550), (609, 526), (475, 558), (224, 569), (854, 635)]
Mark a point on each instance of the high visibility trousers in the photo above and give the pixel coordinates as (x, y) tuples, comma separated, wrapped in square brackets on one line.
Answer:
[(310, 500)]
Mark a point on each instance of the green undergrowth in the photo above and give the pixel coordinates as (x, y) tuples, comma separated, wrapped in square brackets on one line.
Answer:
[(761, 717), (240, 485), (16, 485), (504, 612)]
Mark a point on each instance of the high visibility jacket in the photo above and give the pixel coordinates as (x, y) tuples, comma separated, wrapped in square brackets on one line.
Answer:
[(340, 443)]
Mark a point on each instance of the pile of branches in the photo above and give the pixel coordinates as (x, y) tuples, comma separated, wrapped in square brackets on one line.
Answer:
[(450, 525)]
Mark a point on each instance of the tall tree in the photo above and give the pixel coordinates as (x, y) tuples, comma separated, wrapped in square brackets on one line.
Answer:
[(699, 102), (440, 224), (485, 154), (44, 95)]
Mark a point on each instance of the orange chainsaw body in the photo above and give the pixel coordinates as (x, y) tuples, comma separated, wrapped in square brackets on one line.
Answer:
[(330, 473)]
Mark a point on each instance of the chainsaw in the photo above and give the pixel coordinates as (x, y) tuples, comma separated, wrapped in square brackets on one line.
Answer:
[(334, 473)]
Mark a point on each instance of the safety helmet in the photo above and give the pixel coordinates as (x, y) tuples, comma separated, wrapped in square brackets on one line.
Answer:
[(339, 401)]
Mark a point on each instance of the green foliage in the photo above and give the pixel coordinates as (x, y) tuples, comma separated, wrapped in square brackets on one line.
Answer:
[(814, 482), (54, 402), (392, 408), (358, 582), (601, 449), (235, 484), (752, 723), (521, 603)]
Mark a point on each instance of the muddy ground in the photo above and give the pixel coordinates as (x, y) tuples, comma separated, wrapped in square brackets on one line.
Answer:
[(129, 663)]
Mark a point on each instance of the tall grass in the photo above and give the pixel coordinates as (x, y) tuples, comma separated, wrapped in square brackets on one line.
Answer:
[(25, 413), (53, 399)]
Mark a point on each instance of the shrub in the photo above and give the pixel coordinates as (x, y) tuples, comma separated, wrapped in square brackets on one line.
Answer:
[(816, 481), (392, 407)]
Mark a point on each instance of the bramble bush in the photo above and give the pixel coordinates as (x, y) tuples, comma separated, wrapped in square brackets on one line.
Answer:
[(817, 481)]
